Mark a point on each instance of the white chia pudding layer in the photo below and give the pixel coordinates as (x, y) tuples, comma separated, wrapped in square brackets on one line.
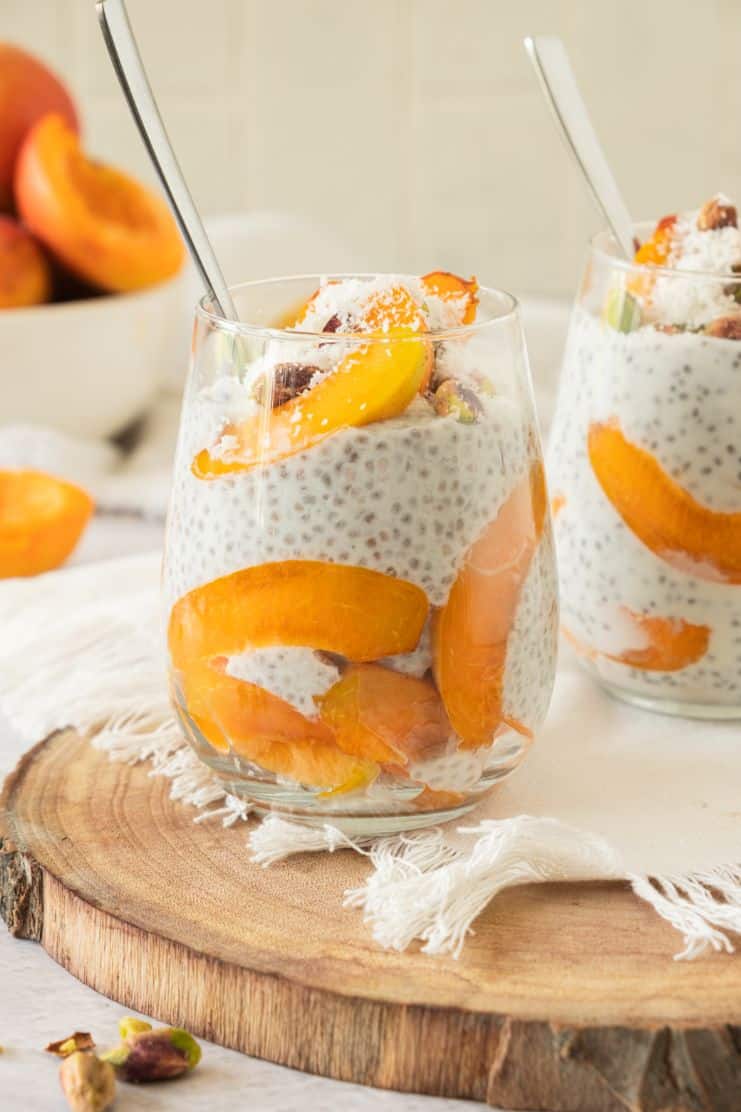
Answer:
[(678, 397)]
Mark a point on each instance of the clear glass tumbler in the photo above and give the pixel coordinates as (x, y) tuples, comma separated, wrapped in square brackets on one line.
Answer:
[(645, 473), (359, 578)]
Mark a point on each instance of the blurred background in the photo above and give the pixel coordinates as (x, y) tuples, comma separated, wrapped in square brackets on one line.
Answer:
[(414, 129)]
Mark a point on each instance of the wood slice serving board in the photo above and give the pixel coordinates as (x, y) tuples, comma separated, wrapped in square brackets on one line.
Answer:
[(566, 998)]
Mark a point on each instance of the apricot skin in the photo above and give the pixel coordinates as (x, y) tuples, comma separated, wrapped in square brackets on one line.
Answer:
[(28, 90), (384, 715), (41, 521), (470, 632), (25, 274), (671, 523), (101, 224)]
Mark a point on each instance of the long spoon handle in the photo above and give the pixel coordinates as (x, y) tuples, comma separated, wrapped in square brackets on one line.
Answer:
[(551, 62), (121, 44)]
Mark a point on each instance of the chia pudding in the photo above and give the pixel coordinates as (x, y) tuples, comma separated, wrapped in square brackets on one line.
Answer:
[(359, 578), (645, 467)]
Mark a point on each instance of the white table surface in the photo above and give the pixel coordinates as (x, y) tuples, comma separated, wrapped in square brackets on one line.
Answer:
[(40, 1002)]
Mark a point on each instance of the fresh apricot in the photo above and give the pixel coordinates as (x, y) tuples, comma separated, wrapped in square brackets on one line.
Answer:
[(470, 632), (25, 275), (376, 382), (103, 225), (28, 91), (41, 521), (663, 515), (260, 727), (673, 643), (357, 613), (383, 715), (449, 287)]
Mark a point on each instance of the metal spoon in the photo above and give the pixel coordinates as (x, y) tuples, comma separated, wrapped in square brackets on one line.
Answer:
[(551, 62), (121, 44)]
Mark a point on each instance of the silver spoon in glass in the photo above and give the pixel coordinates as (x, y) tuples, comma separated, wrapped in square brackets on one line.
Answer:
[(121, 44), (551, 62)]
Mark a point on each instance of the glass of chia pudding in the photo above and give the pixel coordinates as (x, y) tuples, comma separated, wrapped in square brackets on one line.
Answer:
[(359, 579), (645, 466)]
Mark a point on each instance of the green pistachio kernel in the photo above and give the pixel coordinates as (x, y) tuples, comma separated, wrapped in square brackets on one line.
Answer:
[(622, 311)]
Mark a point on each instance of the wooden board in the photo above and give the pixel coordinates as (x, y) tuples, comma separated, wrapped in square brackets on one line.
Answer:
[(566, 998)]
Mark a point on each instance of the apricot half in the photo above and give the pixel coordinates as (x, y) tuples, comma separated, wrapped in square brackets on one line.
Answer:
[(384, 716), (449, 287), (264, 729), (470, 632), (373, 383), (673, 644), (41, 521), (28, 91), (104, 226), (360, 614), (663, 515), (25, 275)]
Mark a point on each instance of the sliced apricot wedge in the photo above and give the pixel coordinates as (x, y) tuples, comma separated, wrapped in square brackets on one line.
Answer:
[(663, 515), (383, 715), (41, 520), (376, 381), (672, 644), (103, 225), (449, 287), (470, 632), (269, 732), (358, 613)]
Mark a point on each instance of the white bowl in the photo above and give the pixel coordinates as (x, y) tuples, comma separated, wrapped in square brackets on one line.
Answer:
[(88, 367)]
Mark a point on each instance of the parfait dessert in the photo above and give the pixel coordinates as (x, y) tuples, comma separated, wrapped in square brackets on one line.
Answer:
[(646, 466), (359, 574)]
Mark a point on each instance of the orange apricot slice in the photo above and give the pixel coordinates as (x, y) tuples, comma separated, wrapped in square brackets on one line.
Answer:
[(358, 613), (41, 520), (384, 715), (269, 732), (103, 225), (470, 632), (663, 515), (673, 644), (373, 383), (654, 252), (449, 287)]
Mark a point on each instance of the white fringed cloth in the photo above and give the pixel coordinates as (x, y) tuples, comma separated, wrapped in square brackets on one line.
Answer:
[(607, 792)]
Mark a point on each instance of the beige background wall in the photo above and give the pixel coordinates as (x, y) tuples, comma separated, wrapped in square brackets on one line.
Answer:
[(414, 127)]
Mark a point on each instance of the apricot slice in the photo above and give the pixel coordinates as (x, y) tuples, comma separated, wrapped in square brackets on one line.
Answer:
[(449, 287), (654, 252), (106, 227), (663, 515), (264, 729), (357, 613), (41, 521), (384, 715), (470, 632), (673, 644)]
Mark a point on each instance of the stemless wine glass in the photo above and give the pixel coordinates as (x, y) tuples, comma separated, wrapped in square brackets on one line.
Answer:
[(359, 579), (645, 470)]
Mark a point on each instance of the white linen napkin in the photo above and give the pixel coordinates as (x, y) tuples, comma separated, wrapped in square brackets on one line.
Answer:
[(606, 792)]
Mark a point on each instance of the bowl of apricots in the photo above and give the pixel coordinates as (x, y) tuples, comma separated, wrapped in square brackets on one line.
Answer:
[(90, 266)]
